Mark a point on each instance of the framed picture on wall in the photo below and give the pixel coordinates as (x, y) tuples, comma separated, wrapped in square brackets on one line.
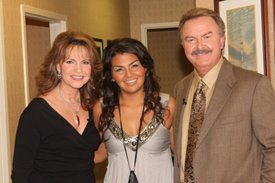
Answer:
[(109, 41), (99, 46), (245, 44)]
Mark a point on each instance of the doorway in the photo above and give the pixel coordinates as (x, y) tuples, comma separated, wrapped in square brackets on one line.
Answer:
[(38, 34), (4, 132), (163, 43), (39, 29)]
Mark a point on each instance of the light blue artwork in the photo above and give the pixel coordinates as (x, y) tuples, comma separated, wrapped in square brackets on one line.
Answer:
[(241, 35)]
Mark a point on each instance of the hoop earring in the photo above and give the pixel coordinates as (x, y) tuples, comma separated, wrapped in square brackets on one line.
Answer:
[(59, 75)]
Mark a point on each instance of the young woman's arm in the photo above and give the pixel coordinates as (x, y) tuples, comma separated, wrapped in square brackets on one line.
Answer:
[(101, 153)]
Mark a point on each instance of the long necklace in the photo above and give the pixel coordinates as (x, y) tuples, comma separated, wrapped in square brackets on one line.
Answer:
[(132, 171), (77, 119)]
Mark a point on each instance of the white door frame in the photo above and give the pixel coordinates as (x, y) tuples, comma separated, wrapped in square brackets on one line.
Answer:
[(163, 25), (57, 22), (4, 128)]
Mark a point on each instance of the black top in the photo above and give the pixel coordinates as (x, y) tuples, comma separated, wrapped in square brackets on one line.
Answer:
[(49, 150)]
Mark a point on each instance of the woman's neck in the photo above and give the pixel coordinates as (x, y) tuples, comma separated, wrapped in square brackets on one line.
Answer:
[(133, 100), (69, 95)]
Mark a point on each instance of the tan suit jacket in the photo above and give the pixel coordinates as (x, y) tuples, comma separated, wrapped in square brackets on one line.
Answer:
[(237, 139)]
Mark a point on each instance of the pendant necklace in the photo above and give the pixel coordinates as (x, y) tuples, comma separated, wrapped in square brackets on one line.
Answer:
[(77, 119)]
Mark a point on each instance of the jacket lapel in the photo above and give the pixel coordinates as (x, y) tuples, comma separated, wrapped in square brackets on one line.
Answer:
[(222, 91), (181, 99)]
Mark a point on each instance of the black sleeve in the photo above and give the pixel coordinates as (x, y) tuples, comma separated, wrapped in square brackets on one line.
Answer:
[(26, 145)]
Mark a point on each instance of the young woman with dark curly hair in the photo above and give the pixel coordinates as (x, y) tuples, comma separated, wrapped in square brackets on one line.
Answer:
[(136, 119)]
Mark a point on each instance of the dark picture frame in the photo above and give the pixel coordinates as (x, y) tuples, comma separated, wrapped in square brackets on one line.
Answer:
[(99, 46), (258, 27), (109, 41)]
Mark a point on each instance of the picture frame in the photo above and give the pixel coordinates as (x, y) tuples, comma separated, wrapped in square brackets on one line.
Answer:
[(246, 42), (109, 41), (99, 46), (266, 36)]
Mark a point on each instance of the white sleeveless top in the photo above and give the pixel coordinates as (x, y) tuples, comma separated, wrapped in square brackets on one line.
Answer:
[(154, 160)]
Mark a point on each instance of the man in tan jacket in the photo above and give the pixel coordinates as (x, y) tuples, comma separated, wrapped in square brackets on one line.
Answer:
[(236, 142)]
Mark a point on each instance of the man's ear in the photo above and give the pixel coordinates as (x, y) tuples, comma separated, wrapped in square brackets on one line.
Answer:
[(222, 40)]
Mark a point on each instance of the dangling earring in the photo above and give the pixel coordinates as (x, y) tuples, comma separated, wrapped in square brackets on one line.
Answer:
[(59, 75)]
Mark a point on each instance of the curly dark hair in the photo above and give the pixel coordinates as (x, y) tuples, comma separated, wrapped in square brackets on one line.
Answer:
[(111, 90), (47, 79)]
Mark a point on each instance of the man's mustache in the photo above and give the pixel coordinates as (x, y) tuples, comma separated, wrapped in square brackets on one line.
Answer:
[(203, 51)]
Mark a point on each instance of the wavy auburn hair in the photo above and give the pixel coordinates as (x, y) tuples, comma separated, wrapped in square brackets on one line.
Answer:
[(47, 79)]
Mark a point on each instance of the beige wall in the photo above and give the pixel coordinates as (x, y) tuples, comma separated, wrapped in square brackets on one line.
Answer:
[(155, 11), (105, 19), (94, 17), (205, 3)]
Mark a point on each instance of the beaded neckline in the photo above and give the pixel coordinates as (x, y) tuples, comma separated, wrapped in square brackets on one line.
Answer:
[(131, 141)]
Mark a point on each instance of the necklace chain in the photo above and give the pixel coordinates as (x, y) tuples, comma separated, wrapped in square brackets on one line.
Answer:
[(77, 120)]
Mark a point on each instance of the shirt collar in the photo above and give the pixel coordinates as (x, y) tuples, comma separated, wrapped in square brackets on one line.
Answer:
[(210, 78)]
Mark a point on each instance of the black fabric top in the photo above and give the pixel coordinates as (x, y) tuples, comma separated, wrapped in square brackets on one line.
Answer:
[(49, 150)]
